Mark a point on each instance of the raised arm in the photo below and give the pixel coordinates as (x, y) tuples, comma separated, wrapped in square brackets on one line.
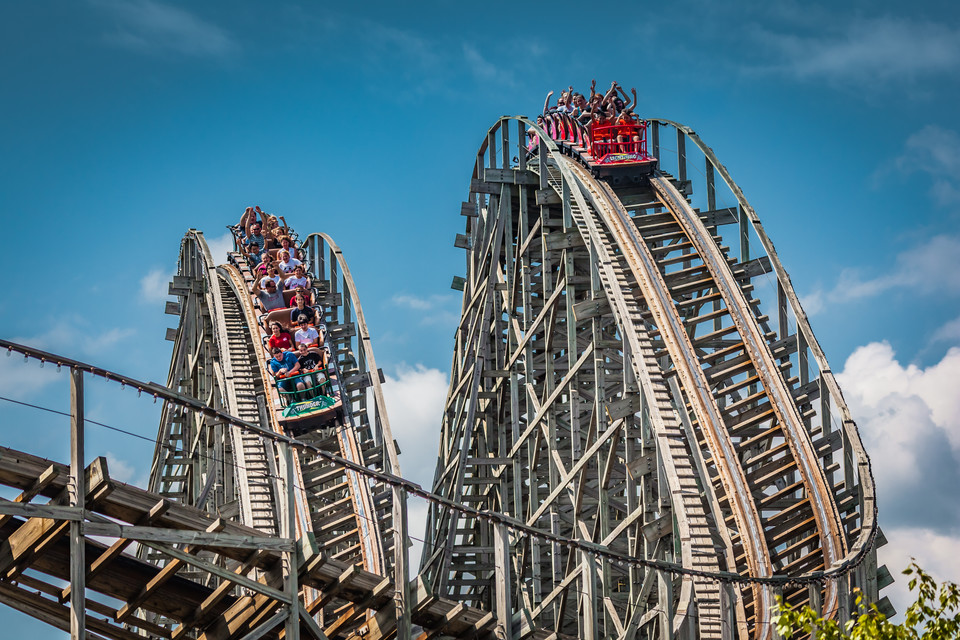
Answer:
[(546, 102)]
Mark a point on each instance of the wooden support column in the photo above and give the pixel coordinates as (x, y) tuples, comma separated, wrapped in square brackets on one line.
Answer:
[(816, 601), (681, 155), (665, 596), (501, 577), (291, 566), (588, 598), (744, 234), (843, 600), (777, 596), (728, 615), (76, 494), (400, 563)]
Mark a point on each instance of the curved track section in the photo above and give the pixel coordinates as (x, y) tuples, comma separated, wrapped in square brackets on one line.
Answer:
[(218, 359), (616, 380)]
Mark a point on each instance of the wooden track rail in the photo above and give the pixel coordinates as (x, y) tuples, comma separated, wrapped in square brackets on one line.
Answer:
[(616, 376), (633, 379)]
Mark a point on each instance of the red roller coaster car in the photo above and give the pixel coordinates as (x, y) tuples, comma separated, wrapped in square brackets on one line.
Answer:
[(607, 149)]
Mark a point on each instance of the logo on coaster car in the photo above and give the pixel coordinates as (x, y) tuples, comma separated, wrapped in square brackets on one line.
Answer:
[(621, 157), (308, 407)]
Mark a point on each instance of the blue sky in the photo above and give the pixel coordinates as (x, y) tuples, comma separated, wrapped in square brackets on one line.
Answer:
[(124, 123)]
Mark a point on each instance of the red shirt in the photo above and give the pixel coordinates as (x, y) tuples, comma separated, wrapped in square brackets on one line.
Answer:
[(282, 341)]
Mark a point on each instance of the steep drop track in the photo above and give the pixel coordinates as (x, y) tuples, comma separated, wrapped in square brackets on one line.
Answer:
[(616, 379), (632, 370)]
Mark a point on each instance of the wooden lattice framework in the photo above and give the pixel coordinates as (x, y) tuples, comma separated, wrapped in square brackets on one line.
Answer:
[(592, 319)]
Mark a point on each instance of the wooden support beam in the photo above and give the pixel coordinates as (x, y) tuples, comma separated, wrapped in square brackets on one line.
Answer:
[(48, 476), (57, 615), (104, 559), (510, 176), (441, 625), (38, 534), (222, 590), (167, 572), (356, 610), (179, 536)]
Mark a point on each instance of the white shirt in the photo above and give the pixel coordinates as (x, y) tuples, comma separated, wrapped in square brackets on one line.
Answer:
[(308, 335), (288, 267), (293, 282)]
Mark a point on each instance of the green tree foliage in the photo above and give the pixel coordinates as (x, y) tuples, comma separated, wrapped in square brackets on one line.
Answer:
[(935, 615)]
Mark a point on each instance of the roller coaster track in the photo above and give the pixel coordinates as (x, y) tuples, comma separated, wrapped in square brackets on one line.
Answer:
[(616, 380), (629, 448)]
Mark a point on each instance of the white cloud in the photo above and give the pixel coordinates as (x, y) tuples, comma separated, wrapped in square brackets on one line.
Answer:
[(153, 286), (909, 418), (481, 68), (949, 332), (71, 335), (932, 267), (434, 310), (220, 246), (938, 555), (867, 52), (124, 471), (936, 152), (813, 303), (154, 28), (20, 380), (415, 397)]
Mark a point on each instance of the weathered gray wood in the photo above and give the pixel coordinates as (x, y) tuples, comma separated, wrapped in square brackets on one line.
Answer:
[(469, 209), (462, 241), (502, 583), (547, 196), (290, 566), (52, 511), (510, 176), (76, 495), (401, 563), (178, 536), (480, 186), (263, 629)]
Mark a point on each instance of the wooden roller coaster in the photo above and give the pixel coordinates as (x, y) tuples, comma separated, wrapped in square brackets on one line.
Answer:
[(642, 438)]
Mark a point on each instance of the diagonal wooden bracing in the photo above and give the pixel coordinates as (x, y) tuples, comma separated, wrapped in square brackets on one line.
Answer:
[(616, 380)]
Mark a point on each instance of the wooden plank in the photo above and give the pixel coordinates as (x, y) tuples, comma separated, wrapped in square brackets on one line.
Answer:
[(178, 536), (57, 615), (479, 186), (375, 600), (222, 590), (510, 176), (718, 217), (560, 240), (50, 511), (623, 408), (172, 308), (469, 209), (659, 528), (103, 560), (594, 308), (48, 476), (547, 196)]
